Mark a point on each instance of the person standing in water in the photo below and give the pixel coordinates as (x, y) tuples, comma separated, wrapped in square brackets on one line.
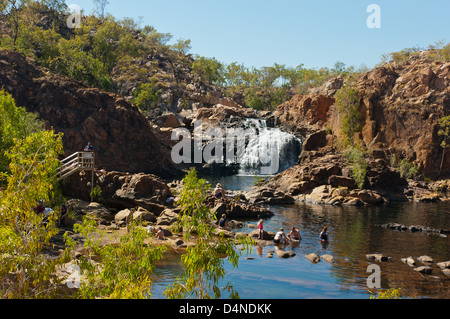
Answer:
[(323, 235)]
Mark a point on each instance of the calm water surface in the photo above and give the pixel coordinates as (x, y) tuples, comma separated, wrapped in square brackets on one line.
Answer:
[(354, 233)]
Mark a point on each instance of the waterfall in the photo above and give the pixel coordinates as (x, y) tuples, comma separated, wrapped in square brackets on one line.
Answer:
[(267, 148)]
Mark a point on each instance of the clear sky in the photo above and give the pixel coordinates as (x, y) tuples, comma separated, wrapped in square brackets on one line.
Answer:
[(316, 33)]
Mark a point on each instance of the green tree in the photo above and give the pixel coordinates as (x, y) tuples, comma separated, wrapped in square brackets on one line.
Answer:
[(209, 70), (25, 271), (15, 124), (80, 65), (356, 157), (444, 131), (12, 8), (348, 101), (183, 46), (118, 271), (203, 261), (146, 96)]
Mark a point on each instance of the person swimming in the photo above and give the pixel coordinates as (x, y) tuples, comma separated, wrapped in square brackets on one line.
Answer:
[(323, 235)]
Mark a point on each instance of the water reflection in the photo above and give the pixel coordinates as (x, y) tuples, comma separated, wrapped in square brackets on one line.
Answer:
[(354, 232)]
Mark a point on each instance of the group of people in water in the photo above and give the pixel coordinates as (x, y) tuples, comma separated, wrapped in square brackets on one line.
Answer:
[(280, 237), (293, 236)]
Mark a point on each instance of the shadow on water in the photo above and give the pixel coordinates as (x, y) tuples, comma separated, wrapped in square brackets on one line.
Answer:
[(354, 232)]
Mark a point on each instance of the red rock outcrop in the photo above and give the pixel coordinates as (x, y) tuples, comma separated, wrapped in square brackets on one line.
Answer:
[(304, 114), (400, 107), (123, 138)]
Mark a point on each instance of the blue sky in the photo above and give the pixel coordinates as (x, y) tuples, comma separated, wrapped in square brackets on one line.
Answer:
[(291, 32)]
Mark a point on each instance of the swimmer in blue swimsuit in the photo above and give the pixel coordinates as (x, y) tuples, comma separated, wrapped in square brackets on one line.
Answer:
[(323, 234)]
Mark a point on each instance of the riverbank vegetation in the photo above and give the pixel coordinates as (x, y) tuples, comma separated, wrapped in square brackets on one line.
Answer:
[(204, 261), (125, 56), (104, 52), (29, 162), (112, 265)]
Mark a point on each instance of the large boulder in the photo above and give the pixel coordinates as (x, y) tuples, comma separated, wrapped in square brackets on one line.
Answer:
[(285, 254), (424, 270), (123, 138), (266, 235), (167, 217), (444, 265), (313, 258), (426, 260), (122, 190)]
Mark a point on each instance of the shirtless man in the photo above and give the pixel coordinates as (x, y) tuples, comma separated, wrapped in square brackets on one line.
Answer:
[(294, 234)]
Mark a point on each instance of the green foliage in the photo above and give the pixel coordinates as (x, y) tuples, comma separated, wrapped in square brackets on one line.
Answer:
[(439, 51), (356, 157), (209, 70), (25, 271), (348, 101), (444, 130), (119, 271), (112, 42), (406, 169), (96, 193), (146, 96), (183, 46), (259, 181), (255, 101), (80, 65), (388, 294), (15, 123), (203, 262)]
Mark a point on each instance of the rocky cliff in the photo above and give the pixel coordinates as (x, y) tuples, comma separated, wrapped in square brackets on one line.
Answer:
[(400, 107), (123, 137)]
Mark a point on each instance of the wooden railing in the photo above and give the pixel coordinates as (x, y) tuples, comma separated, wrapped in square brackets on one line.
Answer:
[(77, 162)]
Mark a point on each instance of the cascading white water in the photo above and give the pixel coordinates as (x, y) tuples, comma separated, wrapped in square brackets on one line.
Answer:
[(267, 147)]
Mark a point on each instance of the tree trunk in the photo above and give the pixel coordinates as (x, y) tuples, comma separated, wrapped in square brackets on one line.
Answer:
[(442, 162)]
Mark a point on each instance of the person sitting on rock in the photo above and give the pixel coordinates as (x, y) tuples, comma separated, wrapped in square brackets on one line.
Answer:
[(294, 234), (280, 237), (40, 208), (64, 216), (160, 234), (152, 230), (223, 222), (219, 191)]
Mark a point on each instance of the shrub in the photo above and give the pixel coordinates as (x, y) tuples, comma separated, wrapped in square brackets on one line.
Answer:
[(357, 158), (405, 168), (146, 96), (347, 100), (203, 261)]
